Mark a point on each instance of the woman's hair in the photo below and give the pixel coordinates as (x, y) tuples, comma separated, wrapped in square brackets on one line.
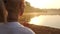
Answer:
[(3, 12), (14, 8), (10, 9)]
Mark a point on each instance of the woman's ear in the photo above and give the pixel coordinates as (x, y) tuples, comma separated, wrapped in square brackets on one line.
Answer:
[(21, 13), (22, 5)]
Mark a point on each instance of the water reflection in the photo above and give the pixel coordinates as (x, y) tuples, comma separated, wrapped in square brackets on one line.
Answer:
[(46, 20)]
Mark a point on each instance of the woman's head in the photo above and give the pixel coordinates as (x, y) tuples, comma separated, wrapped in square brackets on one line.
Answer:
[(15, 8), (11, 9)]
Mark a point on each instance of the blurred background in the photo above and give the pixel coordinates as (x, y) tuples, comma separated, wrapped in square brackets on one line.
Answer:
[(42, 16)]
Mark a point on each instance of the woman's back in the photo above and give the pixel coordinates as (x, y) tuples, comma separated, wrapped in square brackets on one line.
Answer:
[(14, 28)]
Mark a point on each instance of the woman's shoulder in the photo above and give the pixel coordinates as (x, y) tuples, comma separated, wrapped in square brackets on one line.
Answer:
[(23, 30)]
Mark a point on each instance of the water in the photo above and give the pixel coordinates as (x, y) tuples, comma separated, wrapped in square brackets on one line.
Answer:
[(46, 20)]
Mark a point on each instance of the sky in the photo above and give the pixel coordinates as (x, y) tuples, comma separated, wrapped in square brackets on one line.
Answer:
[(45, 4)]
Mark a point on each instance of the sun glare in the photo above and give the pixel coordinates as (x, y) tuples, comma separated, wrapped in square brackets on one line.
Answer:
[(37, 20), (46, 20)]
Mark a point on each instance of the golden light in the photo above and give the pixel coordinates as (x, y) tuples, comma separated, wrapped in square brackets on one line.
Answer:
[(46, 20), (48, 4), (34, 20), (37, 20)]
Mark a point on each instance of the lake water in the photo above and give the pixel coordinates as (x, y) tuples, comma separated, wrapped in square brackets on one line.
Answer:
[(47, 20)]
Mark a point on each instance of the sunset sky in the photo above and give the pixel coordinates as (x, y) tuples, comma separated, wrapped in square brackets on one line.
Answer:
[(48, 4)]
